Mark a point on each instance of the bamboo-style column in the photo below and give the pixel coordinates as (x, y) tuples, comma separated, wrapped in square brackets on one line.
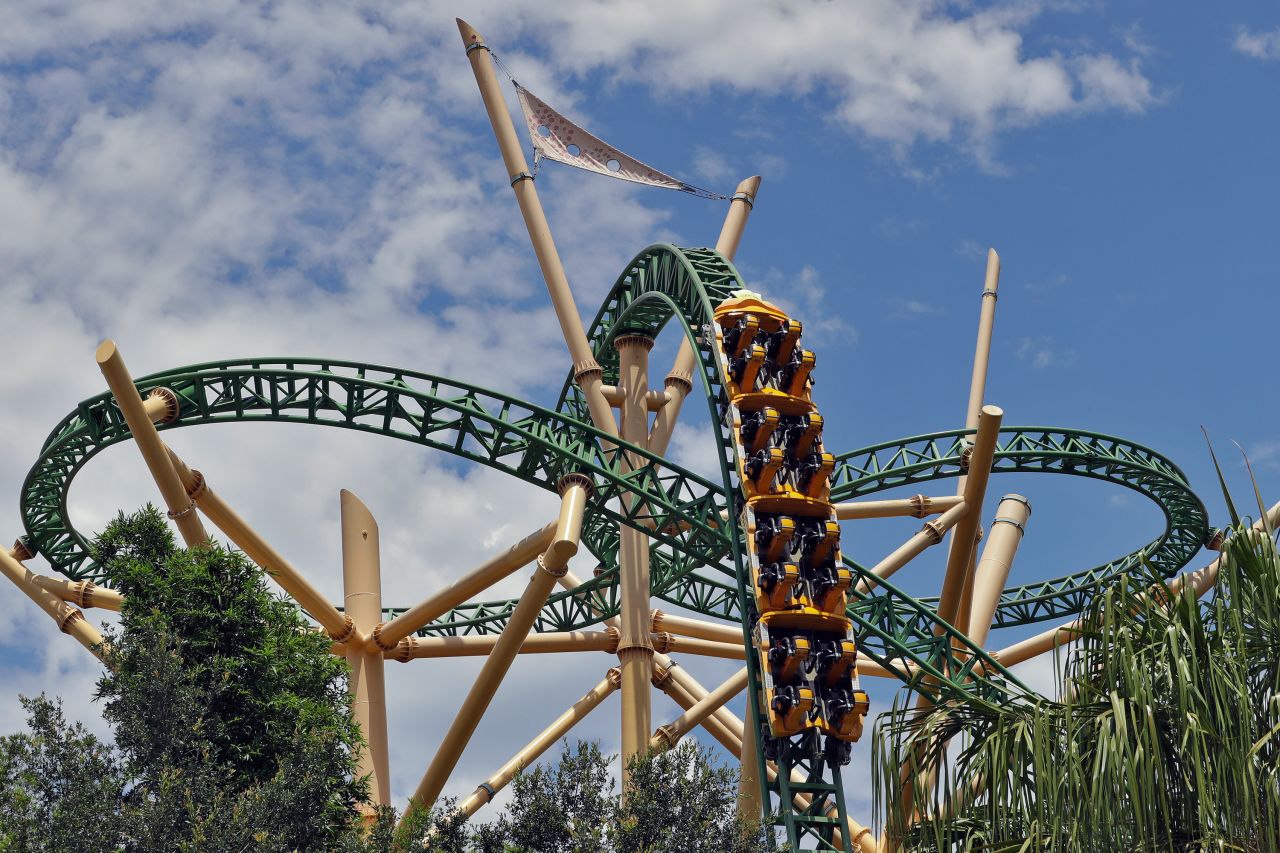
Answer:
[(339, 626), (667, 736), (679, 382), (978, 388), (362, 600), (81, 593), (1201, 580), (181, 509), (489, 788), (993, 568), (478, 646), (687, 627), (586, 370), (966, 529), (750, 791), (918, 506), (635, 650), (553, 562), (387, 635), (672, 644), (69, 619), (930, 534)]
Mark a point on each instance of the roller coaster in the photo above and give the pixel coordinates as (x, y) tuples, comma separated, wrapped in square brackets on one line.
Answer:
[(749, 566)]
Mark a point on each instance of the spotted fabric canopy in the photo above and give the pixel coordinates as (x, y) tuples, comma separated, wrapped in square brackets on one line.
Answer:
[(557, 138)]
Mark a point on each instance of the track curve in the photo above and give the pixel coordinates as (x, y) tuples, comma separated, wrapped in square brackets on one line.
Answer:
[(694, 562)]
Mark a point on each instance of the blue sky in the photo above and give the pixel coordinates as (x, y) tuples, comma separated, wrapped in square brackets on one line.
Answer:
[(213, 180)]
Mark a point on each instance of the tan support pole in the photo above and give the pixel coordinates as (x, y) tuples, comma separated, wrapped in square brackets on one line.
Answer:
[(585, 368), (574, 489), (362, 600), (667, 736), (918, 507), (977, 390), (337, 625), (721, 725), (966, 530), (477, 646), (750, 791), (982, 351), (930, 534), (81, 593), (161, 406), (552, 733), (671, 644), (181, 509), (388, 634), (1201, 580), (993, 568), (69, 619), (570, 581), (679, 381), (686, 627), (635, 651)]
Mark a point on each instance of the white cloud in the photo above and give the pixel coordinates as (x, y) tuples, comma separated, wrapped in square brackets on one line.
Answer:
[(216, 179), (711, 165), (1260, 44), (905, 308), (802, 294), (1041, 351)]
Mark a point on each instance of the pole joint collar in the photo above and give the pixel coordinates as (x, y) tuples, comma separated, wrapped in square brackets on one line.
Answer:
[(745, 197), (477, 45), (520, 176), (22, 549), (575, 479)]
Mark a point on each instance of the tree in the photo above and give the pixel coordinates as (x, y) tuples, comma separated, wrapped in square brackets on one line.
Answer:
[(680, 801), (1167, 737), (60, 787), (233, 732)]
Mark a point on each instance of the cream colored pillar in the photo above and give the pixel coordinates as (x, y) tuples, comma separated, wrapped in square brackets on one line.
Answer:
[(993, 568), (387, 635), (667, 736), (574, 490), (481, 645), (978, 387), (930, 534), (750, 791), (635, 650), (687, 627), (69, 619), (586, 370), (918, 506), (181, 509), (531, 752), (1201, 580), (679, 382), (81, 593), (362, 600), (966, 529), (337, 625)]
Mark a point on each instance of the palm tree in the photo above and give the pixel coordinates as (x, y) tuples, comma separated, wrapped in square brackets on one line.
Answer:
[(1166, 736)]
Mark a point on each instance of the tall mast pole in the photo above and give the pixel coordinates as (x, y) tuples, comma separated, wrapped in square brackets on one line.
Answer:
[(679, 382), (586, 370), (362, 601)]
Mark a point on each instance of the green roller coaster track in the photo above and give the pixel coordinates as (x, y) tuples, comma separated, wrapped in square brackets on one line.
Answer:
[(695, 562)]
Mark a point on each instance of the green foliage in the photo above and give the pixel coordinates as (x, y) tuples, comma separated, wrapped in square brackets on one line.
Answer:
[(683, 802), (60, 787), (1167, 736), (230, 714), (233, 733), (679, 801)]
